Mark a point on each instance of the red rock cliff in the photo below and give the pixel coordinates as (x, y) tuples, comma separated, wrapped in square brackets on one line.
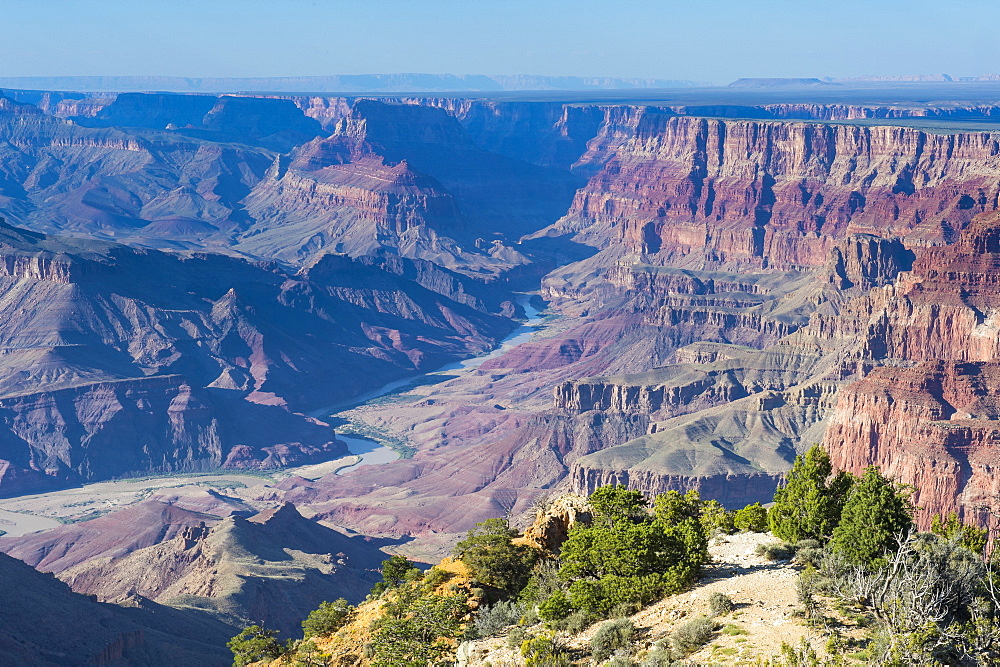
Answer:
[(775, 194), (934, 424)]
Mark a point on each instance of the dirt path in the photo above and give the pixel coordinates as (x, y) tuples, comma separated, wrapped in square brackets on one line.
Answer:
[(764, 594)]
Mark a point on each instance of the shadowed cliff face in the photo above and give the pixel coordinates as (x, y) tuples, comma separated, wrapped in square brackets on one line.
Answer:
[(42, 622), (409, 178), (119, 360)]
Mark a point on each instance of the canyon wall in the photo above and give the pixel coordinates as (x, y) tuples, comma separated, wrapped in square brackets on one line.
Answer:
[(722, 271), (774, 194), (929, 417)]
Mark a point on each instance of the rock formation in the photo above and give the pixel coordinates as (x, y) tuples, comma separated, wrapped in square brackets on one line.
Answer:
[(409, 178), (721, 272), (929, 416), (271, 568)]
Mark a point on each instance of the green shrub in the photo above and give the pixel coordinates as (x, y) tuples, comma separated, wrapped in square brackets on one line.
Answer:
[(621, 661), (810, 503), (555, 607), (307, 654), (733, 630), (544, 651), (328, 618), (720, 604), (434, 577), (629, 557), (575, 623), (254, 644), (751, 519), (715, 519), (517, 637), (612, 636), (494, 619), (809, 552), (417, 629), (877, 511), (658, 657), (692, 635), (395, 571), (543, 582), (972, 538), (776, 551)]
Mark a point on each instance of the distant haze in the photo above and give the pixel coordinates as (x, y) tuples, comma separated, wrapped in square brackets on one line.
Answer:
[(710, 40), (350, 83)]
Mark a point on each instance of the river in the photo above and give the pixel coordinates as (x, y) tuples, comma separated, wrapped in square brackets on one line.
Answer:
[(27, 514), (370, 451)]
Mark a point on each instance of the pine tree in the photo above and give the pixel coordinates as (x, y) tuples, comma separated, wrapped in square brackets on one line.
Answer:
[(877, 511), (807, 506)]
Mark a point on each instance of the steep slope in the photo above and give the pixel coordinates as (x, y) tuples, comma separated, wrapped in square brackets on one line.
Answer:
[(113, 536), (42, 622), (929, 417)]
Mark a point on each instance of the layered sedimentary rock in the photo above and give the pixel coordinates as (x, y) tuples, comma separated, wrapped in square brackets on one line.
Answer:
[(721, 278), (929, 418), (695, 190), (110, 182), (271, 568), (109, 537), (117, 360)]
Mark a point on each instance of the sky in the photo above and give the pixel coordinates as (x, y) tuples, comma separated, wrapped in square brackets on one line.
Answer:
[(703, 40)]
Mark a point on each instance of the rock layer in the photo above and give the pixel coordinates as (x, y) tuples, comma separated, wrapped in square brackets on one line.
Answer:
[(930, 417)]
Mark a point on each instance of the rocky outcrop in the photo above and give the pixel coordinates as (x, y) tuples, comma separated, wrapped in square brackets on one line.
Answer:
[(108, 537), (935, 426), (554, 520)]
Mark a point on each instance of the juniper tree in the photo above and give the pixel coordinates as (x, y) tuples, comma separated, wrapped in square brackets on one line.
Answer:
[(809, 504), (876, 514), (493, 558)]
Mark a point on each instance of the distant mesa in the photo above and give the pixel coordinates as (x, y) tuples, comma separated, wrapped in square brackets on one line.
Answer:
[(904, 78), (777, 82), (767, 82)]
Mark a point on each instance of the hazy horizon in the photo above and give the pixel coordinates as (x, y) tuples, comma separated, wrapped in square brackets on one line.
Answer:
[(714, 41)]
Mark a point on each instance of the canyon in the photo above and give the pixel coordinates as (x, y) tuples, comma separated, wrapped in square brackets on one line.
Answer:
[(196, 282)]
